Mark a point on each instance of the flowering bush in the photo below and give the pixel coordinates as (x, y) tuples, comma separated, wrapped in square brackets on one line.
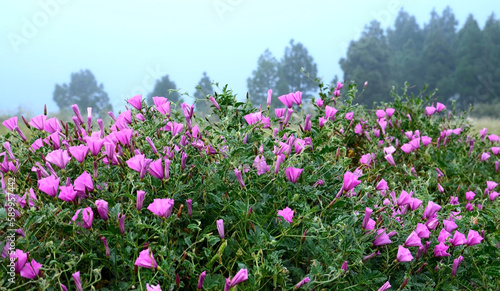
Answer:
[(401, 196)]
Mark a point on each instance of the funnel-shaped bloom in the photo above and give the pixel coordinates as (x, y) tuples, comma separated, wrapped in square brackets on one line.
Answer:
[(382, 185), (366, 219), (431, 209), (140, 199), (413, 240), (162, 105), (253, 118), (239, 177), (84, 184), (220, 228), (146, 260), (102, 208), (422, 230), (404, 254), (67, 193), (162, 207), (214, 102), (385, 287), (458, 239), (87, 215), (430, 110), (389, 158), (38, 122), (292, 174), (443, 235), (106, 247), (153, 287), (469, 195), (10, 123), (350, 181), (286, 213), (121, 222), (382, 239), (440, 250), (349, 116), (456, 263), (94, 143), (302, 282), (49, 185), (201, 279), (31, 270), (59, 158), (473, 238), (156, 169), (136, 102), (79, 152), (140, 164), (449, 225), (330, 112), (20, 258), (287, 100), (241, 276)]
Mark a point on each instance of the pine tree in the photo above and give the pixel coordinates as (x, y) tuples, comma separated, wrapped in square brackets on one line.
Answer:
[(368, 60), (470, 61), (265, 77), (489, 89), (162, 89), (203, 89)]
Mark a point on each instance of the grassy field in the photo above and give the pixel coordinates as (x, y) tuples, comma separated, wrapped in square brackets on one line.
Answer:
[(493, 125)]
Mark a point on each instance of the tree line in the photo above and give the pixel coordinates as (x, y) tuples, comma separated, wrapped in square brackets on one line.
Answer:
[(464, 64)]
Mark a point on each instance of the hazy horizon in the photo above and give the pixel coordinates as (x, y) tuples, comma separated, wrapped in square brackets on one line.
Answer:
[(128, 46)]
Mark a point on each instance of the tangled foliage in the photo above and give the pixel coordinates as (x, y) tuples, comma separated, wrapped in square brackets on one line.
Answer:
[(248, 199)]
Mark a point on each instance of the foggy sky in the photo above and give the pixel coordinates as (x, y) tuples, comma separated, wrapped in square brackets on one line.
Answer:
[(129, 44)]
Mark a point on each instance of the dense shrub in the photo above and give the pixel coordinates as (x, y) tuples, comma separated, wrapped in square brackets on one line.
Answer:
[(348, 198)]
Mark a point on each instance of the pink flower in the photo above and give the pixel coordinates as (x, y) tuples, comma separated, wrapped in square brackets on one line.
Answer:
[(431, 209), (494, 195), (220, 228), (280, 112), (469, 195), (495, 150), (490, 185), (269, 96), (330, 112), (350, 181), (20, 258), (156, 169), (473, 238), (121, 222), (59, 158), (253, 118), (162, 105), (140, 199), (287, 100), (404, 254), (484, 157), (430, 110), (384, 287), (449, 225), (413, 240), (83, 184), (31, 270), (153, 287), (440, 107), (94, 143), (292, 174), (443, 235), (140, 164), (79, 152), (87, 215), (349, 115), (422, 231), (241, 276), (404, 198), (456, 262), (10, 123), (440, 250), (136, 102), (389, 158), (239, 177), (146, 260), (319, 102), (162, 207), (49, 185), (286, 213), (302, 282), (382, 239), (366, 219), (67, 193), (102, 208), (38, 122), (458, 239)]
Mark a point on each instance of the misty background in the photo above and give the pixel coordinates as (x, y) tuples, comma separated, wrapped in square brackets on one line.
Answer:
[(129, 46)]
